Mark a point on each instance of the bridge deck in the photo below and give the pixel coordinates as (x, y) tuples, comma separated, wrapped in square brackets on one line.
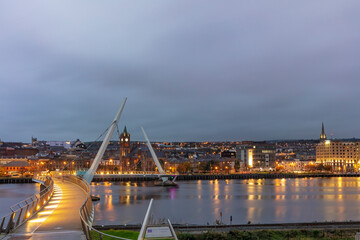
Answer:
[(59, 219)]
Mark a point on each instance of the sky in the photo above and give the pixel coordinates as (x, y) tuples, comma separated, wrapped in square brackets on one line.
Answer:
[(191, 70)]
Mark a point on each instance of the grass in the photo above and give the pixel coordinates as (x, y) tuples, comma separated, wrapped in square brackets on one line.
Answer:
[(273, 235), (331, 234), (119, 233)]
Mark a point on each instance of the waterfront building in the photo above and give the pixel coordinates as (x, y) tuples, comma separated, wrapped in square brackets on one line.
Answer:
[(17, 166), (341, 156), (256, 154)]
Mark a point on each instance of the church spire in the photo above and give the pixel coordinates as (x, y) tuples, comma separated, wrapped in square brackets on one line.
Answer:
[(323, 135)]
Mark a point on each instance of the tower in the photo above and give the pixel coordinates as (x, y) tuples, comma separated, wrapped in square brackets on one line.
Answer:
[(124, 143), (323, 135)]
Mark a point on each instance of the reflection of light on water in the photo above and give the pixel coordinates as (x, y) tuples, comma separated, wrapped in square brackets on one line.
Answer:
[(199, 185), (251, 182), (264, 201), (251, 213), (172, 193), (280, 197), (339, 182), (216, 191), (108, 202)]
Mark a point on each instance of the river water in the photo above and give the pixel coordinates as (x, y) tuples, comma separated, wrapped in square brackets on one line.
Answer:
[(205, 202), (11, 194)]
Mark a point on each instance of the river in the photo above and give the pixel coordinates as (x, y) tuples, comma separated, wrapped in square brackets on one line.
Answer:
[(11, 194), (255, 201)]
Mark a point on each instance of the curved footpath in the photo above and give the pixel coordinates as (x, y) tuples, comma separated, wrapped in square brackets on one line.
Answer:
[(59, 219)]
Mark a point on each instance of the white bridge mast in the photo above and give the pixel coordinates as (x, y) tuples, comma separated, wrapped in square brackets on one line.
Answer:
[(158, 165), (89, 175)]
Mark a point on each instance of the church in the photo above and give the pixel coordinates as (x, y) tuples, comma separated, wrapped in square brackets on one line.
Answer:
[(135, 156)]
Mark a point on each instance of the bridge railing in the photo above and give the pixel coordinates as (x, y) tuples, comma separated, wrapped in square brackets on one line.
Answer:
[(87, 212), (24, 210)]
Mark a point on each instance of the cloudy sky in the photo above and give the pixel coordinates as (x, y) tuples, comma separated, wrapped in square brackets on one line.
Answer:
[(192, 70)]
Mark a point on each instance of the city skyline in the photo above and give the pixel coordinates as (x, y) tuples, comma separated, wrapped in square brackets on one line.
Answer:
[(192, 71)]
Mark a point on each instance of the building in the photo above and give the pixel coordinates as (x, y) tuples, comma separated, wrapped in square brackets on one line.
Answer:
[(341, 156), (228, 154), (124, 143), (322, 135), (16, 166), (256, 154)]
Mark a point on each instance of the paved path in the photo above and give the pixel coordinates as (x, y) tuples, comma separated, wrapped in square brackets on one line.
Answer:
[(59, 219)]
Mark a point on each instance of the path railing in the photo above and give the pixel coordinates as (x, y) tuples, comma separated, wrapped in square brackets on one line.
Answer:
[(87, 212), (24, 210)]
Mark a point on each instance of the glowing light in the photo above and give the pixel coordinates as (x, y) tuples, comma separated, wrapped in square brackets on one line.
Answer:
[(28, 214), (37, 220), (45, 212), (57, 201), (327, 142), (251, 158), (51, 206)]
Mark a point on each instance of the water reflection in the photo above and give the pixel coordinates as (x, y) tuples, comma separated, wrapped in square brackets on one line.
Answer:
[(255, 200), (11, 194)]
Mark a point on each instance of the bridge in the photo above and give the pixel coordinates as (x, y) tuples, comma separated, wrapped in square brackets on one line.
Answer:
[(63, 209), (59, 218)]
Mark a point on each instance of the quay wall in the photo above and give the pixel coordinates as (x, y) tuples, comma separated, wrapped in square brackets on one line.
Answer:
[(15, 180), (141, 178)]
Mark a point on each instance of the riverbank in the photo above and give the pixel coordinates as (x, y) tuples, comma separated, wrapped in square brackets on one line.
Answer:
[(332, 234), (355, 225), (141, 178), (15, 180)]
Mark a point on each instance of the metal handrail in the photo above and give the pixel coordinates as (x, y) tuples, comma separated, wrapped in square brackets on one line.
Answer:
[(26, 209), (86, 212)]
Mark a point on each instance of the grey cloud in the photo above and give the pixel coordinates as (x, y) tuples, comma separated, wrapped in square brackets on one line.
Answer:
[(191, 70)]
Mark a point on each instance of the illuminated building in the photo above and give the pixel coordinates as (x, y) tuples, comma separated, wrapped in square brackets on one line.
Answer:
[(322, 135), (341, 156), (124, 143), (256, 154)]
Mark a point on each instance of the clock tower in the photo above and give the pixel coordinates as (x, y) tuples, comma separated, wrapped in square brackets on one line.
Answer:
[(124, 143)]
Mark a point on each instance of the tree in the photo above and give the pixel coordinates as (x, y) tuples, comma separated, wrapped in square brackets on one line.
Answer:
[(184, 167), (279, 168), (328, 168), (320, 167)]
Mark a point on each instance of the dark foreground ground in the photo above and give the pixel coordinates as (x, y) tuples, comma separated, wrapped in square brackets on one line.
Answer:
[(328, 234), (303, 231)]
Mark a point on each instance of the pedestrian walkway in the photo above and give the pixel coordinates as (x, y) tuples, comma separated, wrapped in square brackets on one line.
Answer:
[(59, 219)]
